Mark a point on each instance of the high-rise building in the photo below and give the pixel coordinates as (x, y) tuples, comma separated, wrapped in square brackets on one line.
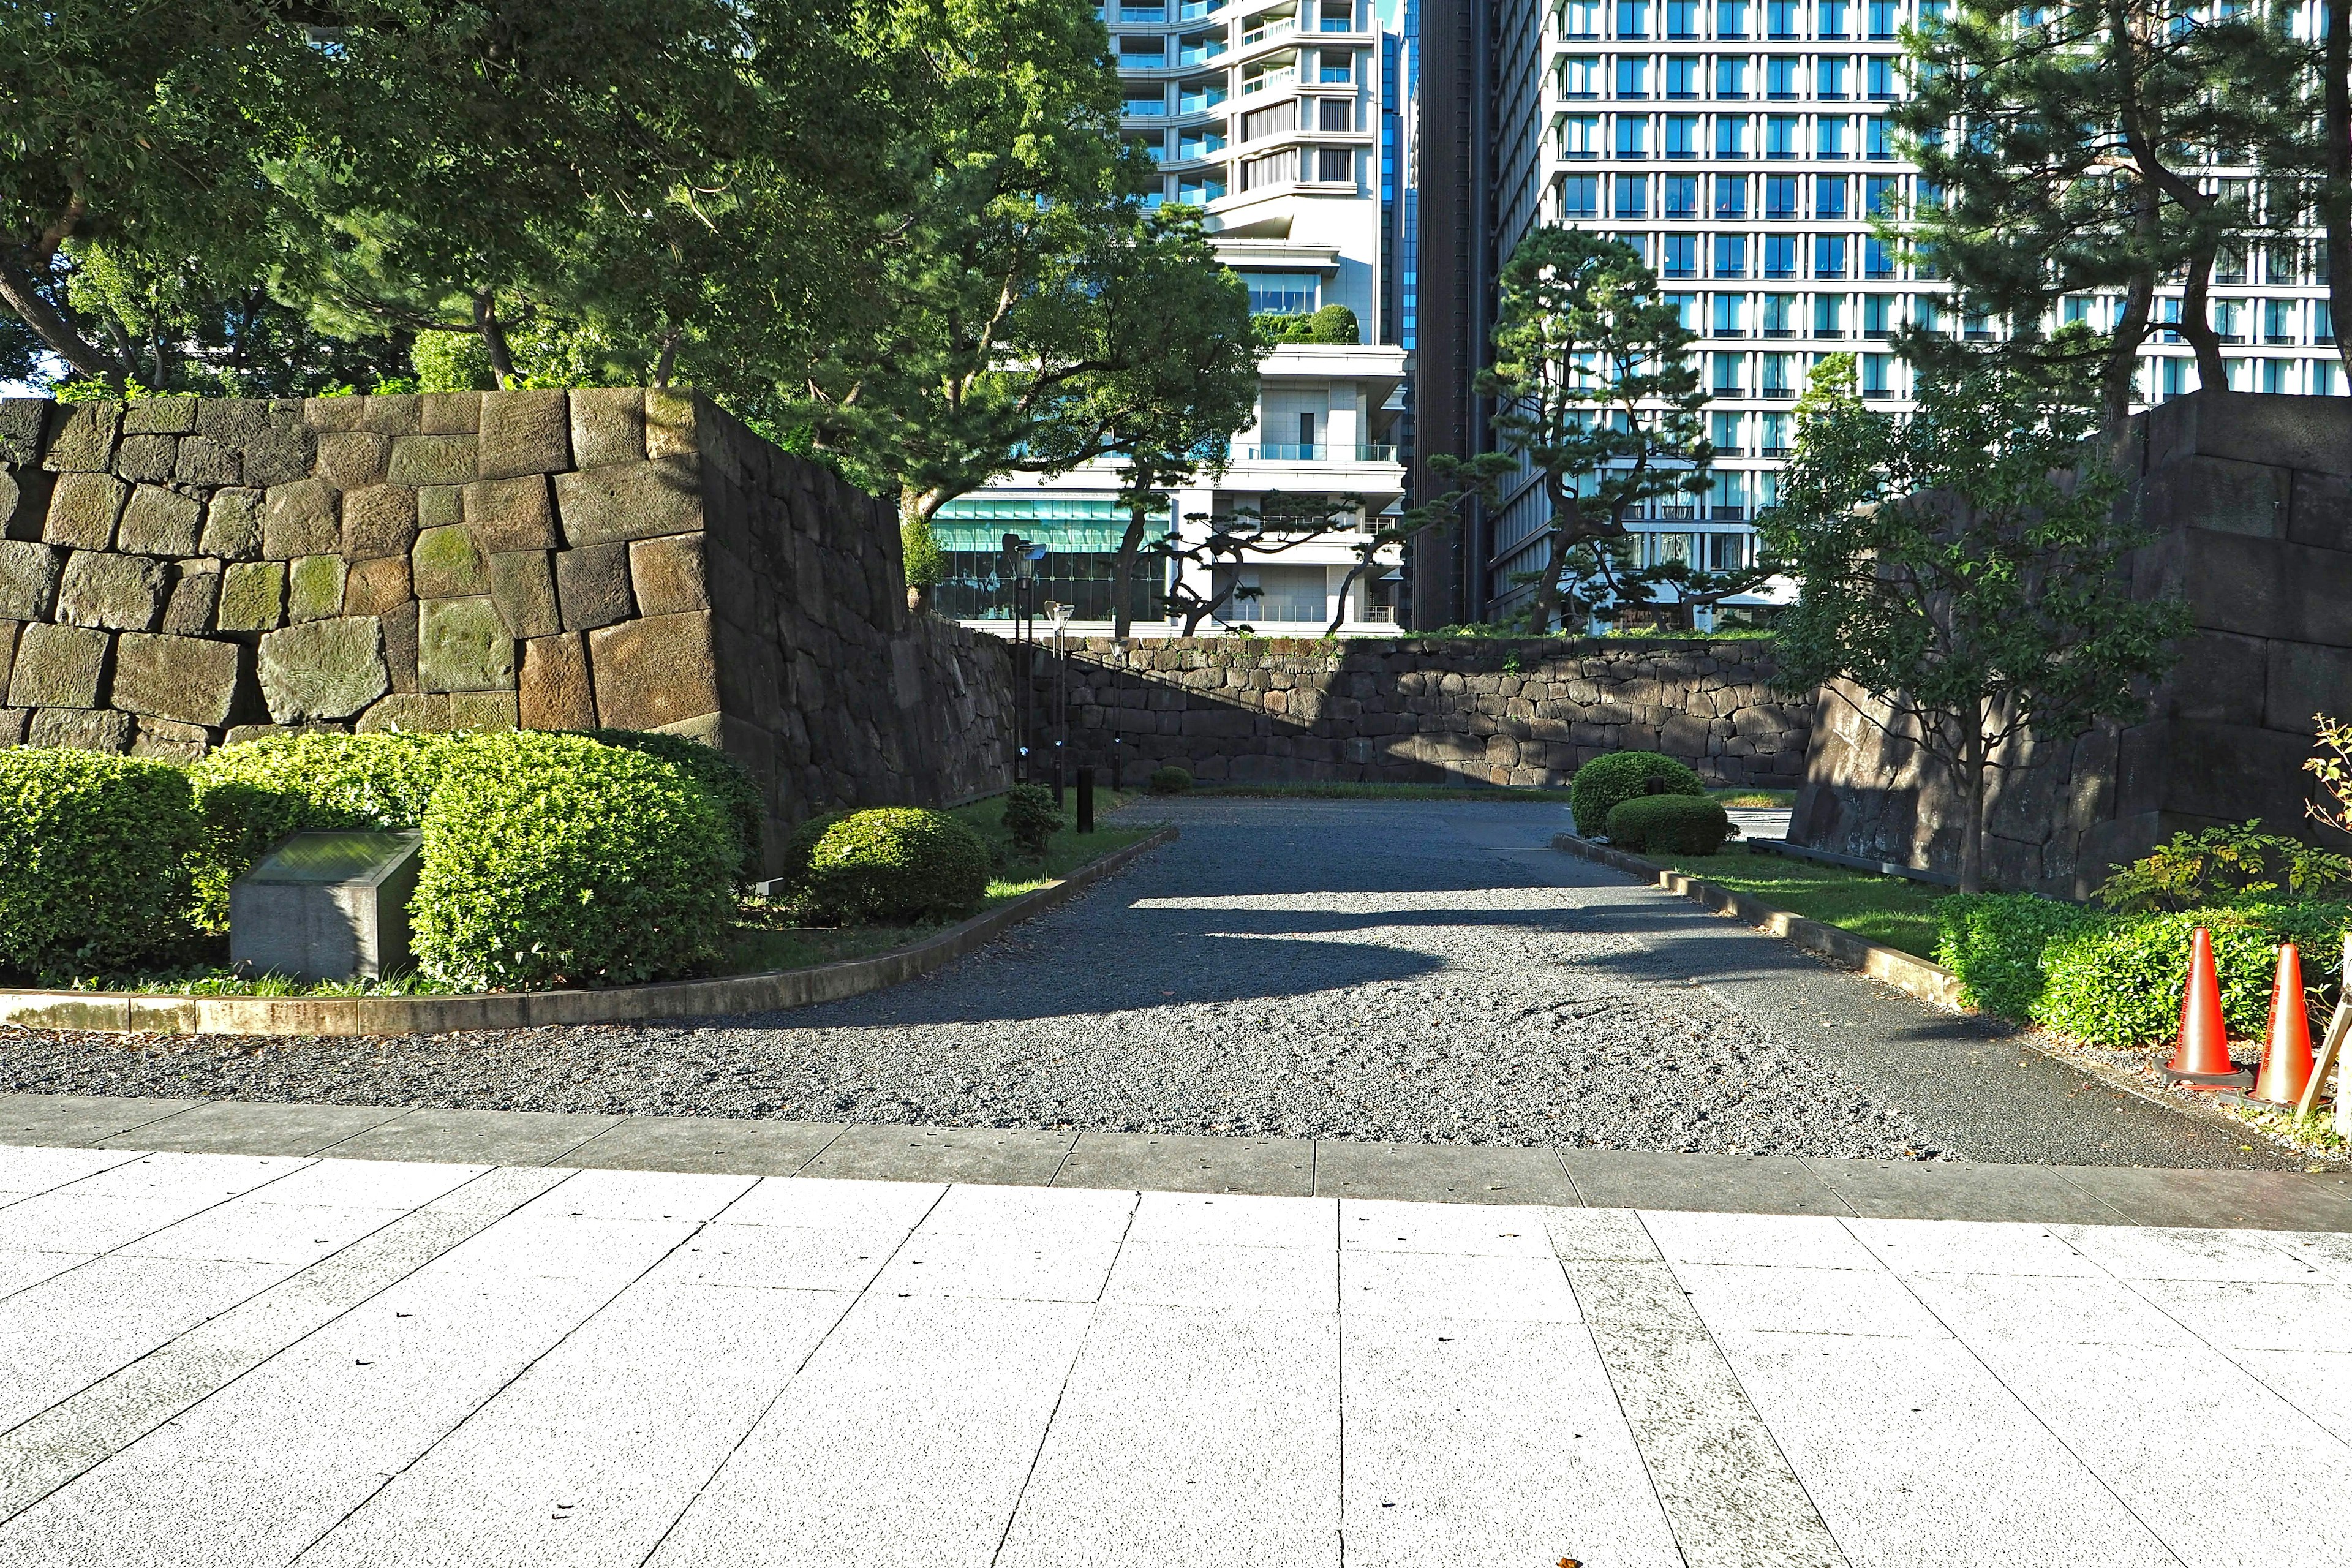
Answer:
[(1285, 121), (1742, 147)]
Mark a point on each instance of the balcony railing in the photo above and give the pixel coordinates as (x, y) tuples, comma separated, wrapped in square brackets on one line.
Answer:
[(1271, 30), (1314, 452), (1282, 78)]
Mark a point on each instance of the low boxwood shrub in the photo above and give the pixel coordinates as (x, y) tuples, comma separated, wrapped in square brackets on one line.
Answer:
[(552, 859), (1031, 818), (1669, 825), (251, 795), (94, 855), (2115, 981), (1171, 780), (803, 844), (895, 864), (1600, 784), (729, 782), (1993, 942)]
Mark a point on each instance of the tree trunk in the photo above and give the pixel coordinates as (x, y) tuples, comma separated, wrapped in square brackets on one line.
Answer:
[(17, 289), (1123, 573), (494, 336), (2196, 324), (1339, 605), (1547, 599), (2335, 187), (1972, 803), (2131, 333)]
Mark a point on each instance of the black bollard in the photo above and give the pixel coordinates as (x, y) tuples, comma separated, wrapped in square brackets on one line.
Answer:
[(1086, 800)]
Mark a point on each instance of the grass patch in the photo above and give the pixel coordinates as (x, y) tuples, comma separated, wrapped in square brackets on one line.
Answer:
[(1337, 790), (1892, 910), (1755, 799)]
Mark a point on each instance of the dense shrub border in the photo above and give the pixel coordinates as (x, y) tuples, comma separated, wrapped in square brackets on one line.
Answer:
[(94, 857), (895, 864), (1669, 825), (1605, 782)]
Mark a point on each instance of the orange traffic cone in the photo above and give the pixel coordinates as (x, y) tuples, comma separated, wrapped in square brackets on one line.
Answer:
[(2287, 1062), (2201, 1058)]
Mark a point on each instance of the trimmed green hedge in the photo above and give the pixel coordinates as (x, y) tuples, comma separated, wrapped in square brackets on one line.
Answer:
[(1031, 818), (728, 782), (1600, 784), (1992, 943), (94, 854), (1669, 825), (895, 864), (1171, 780), (551, 859)]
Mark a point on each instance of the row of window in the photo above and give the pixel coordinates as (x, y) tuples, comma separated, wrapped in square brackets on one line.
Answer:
[(1830, 20), (1735, 138), (1729, 77), (1323, 166), (1766, 256)]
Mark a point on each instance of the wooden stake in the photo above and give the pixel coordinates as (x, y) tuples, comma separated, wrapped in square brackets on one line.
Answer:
[(2338, 1025)]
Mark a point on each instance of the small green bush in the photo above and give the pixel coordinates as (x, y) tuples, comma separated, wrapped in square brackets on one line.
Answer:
[(895, 864), (1600, 784), (1031, 818), (2222, 865), (1171, 780), (2116, 981), (552, 859), (1669, 825), (93, 860), (803, 844), (728, 782), (1993, 943), (250, 796), (1330, 324)]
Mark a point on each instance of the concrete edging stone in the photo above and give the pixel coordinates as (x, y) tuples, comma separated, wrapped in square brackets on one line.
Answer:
[(118, 1012)]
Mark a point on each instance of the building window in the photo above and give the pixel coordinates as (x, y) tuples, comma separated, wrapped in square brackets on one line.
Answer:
[(1731, 136), (1579, 76), (1730, 77), (1580, 196), (1878, 141), (1260, 173), (1335, 114), (1828, 198), (1678, 196), (1780, 135), (1271, 121), (1199, 190), (1682, 136), (1779, 310), (1633, 77), (1338, 64), (1881, 83), (1579, 136), (1882, 195), (1781, 17), (1334, 165), (1829, 256), (1781, 196), (2323, 379), (1682, 18), (1829, 315), (1581, 19), (1632, 196), (1776, 375), (1877, 316), (1633, 18), (1877, 261), (1832, 18), (1784, 77), (1780, 256), (1632, 136), (1680, 252), (1886, 17), (1685, 308), (1731, 19), (1731, 195), (2323, 321), (1831, 136), (1145, 101), (1731, 256), (1772, 436), (1682, 76), (1829, 79), (1281, 294), (1730, 312), (1726, 374)]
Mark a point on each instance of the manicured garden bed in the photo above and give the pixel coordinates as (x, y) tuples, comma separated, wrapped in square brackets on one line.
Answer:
[(1892, 910)]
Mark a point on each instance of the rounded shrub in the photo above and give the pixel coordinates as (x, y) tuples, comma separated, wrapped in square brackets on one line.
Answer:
[(728, 782), (1669, 825), (1031, 818), (552, 859), (803, 844), (94, 854), (895, 864), (2116, 981), (250, 796), (1171, 780), (1600, 784)]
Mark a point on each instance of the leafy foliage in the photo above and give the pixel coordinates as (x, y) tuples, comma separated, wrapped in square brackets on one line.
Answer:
[(1274, 525), (1330, 324), (1031, 818), (895, 864), (727, 782), (2117, 981), (93, 860), (1993, 942), (1169, 780), (2225, 865), (1668, 825), (1601, 784)]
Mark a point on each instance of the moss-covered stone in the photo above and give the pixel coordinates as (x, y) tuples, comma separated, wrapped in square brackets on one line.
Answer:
[(189, 679), (463, 644), (323, 670), (121, 593), (160, 521), (57, 667), (445, 565), (314, 588), (84, 509), (252, 596)]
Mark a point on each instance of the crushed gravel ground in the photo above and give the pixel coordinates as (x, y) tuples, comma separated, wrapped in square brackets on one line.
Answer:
[(1404, 972)]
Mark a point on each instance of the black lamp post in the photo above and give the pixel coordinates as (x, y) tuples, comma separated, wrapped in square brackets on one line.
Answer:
[(1060, 615), (1021, 560)]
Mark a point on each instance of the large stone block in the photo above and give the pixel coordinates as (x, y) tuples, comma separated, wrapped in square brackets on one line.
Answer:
[(84, 509), (146, 458), (252, 596), (11, 726), (510, 514), (121, 593), (462, 644), (57, 667), (593, 582), (379, 520), (205, 461), (377, 586), (22, 420), (523, 588), (337, 414), (9, 630), (523, 433), (82, 437), (628, 501), (233, 524), (483, 712), (445, 565), (653, 672), (272, 445), (670, 428), (194, 598), (158, 521), (169, 740), (608, 426), (353, 459), (191, 680), (556, 694), (415, 712), (314, 588), (323, 670), (431, 459), (24, 502), (299, 519), (440, 506), (450, 413), (400, 645), (29, 579), (84, 728), (161, 416), (669, 574), (396, 413)]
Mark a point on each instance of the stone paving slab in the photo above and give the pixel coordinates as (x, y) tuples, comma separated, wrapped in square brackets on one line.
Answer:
[(554, 1365)]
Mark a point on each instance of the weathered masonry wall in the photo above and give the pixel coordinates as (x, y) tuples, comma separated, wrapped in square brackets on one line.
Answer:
[(1416, 711), (2249, 497), (180, 572)]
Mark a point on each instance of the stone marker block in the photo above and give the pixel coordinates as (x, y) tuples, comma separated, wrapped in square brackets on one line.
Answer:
[(161, 416), (299, 519), (195, 597), (431, 461), (608, 426), (653, 672), (524, 433), (628, 501), (482, 711), (233, 525), (445, 565), (376, 586), (84, 509), (592, 584), (57, 667), (462, 645), (667, 575), (523, 587), (85, 728), (314, 588), (252, 596), (121, 593), (353, 459), (400, 645), (450, 413), (158, 521), (397, 414), (379, 520), (510, 514), (29, 579), (323, 670), (556, 694), (22, 420), (333, 414), (191, 680), (327, 906), (169, 740), (205, 461), (146, 458), (82, 437), (417, 712)]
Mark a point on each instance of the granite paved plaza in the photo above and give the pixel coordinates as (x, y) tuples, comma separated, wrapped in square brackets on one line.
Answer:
[(248, 1360)]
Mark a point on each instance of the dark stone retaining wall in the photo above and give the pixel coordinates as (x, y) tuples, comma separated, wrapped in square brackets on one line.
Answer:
[(1418, 710), (179, 573)]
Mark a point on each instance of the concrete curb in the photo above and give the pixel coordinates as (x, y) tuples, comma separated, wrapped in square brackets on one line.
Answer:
[(118, 1012), (1914, 976)]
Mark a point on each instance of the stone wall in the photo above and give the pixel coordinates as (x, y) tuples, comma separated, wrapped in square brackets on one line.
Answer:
[(2251, 499), (177, 572), (1417, 710)]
